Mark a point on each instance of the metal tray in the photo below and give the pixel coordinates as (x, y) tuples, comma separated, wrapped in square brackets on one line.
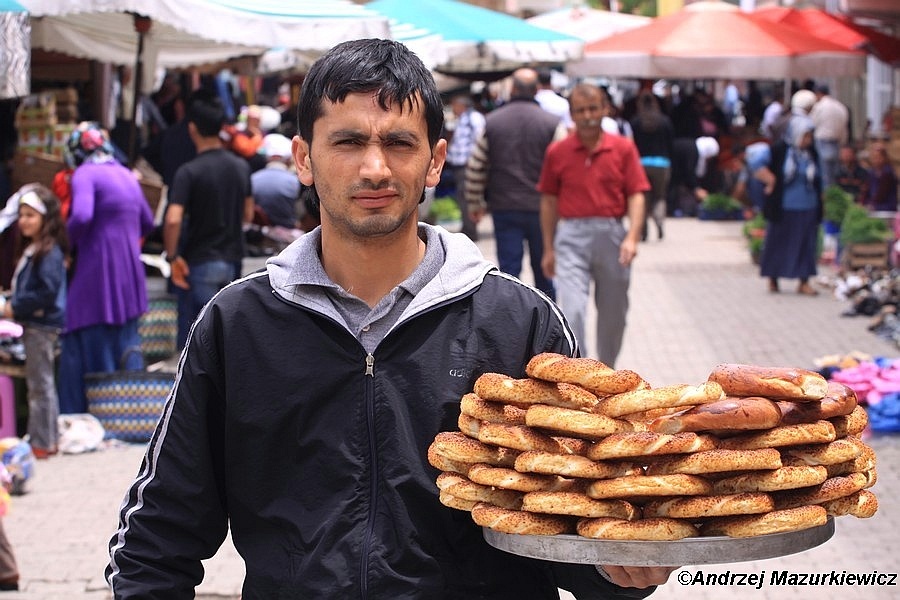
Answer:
[(688, 551)]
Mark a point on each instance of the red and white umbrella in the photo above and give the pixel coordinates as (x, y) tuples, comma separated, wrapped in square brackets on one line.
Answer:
[(716, 44), (837, 28)]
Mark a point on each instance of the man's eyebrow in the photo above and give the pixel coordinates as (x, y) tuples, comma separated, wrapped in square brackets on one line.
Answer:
[(399, 135)]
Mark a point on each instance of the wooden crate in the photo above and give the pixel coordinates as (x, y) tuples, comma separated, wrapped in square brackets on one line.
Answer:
[(858, 256)]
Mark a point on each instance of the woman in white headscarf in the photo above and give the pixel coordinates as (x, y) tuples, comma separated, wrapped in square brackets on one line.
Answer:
[(793, 206)]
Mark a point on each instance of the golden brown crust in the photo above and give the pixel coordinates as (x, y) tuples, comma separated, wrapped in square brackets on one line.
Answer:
[(721, 505), (511, 479), (502, 388), (830, 489), (574, 422), (864, 462), (829, 453), (776, 521), (442, 463), (670, 396), (463, 488), (785, 478), (468, 425), (458, 447), (785, 435), (840, 400), (517, 437), (749, 413), (572, 445), (519, 521), (646, 486), (647, 443), (852, 424), (716, 461), (573, 466), (496, 412), (590, 374), (454, 502), (862, 504), (578, 505), (776, 383), (604, 528)]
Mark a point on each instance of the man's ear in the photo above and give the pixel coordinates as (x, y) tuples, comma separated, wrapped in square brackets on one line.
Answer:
[(300, 151), (438, 158)]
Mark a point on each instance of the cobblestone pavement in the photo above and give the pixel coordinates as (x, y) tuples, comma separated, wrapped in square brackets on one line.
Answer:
[(696, 301)]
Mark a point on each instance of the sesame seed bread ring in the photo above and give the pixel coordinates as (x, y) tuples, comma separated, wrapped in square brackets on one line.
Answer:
[(459, 447), (872, 476), (656, 529), (776, 521), (862, 504), (863, 462), (578, 505), (830, 453), (830, 489), (592, 375), (457, 503), (469, 425), (464, 489), (776, 383), (517, 437), (738, 414), (569, 422), (644, 486), (840, 400), (852, 424), (502, 388), (663, 397), (442, 463), (647, 443), (572, 445), (573, 466), (785, 435), (716, 461), (510, 479), (496, 412), (785, 478), (698, 507), (519, 521)]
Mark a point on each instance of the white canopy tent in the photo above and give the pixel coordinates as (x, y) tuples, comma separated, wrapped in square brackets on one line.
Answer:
[(194, 32)]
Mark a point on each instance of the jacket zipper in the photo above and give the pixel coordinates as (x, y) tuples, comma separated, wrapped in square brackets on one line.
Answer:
[(373, 478)]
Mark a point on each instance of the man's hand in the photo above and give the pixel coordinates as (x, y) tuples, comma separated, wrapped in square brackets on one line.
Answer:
[(548, 263), (180, 272), (476, 214), (637, 577), (627, 251)]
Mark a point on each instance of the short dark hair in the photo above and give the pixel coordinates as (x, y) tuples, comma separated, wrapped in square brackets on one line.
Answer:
[(545, 76), (206, 111), (370, 65)]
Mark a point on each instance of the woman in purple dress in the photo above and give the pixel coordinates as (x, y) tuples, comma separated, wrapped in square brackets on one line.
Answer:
[(107, 287)]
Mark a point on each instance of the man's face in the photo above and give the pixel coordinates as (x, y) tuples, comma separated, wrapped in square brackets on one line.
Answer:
[(369, 165), (587, 109), (847, 156)]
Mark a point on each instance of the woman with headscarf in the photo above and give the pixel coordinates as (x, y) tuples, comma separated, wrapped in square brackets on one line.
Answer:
[(793, 206), (107, 288)]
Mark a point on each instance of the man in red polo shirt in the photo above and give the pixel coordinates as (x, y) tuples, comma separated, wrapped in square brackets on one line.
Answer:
[(591, 180)]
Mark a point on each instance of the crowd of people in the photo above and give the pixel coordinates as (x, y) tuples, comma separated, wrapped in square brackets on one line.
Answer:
[(574, 178)]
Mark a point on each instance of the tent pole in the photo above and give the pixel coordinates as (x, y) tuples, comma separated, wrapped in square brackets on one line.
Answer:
[(142, 25)]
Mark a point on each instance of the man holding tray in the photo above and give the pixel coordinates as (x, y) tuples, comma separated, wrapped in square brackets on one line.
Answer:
[(308, 393)]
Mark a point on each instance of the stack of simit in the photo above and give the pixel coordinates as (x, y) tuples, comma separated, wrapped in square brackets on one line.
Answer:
[(579, 447)]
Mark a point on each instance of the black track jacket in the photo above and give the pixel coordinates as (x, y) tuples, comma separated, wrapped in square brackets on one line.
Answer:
[(281, 426)]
